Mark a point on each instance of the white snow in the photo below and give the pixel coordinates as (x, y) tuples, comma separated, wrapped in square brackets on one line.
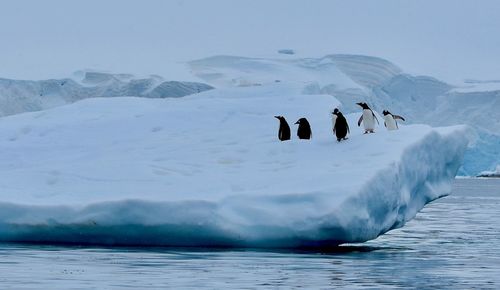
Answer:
[(208, 169)]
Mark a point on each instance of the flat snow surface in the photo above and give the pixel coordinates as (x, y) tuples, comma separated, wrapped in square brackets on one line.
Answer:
[(208, 170)]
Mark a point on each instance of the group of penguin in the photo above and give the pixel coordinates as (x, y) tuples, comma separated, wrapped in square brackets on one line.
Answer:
[(339, 124)]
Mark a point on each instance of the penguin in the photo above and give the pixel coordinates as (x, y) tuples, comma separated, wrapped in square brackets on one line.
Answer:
[(390, 120), (304, 130), (284, 130), (368, 118), (340, 126)]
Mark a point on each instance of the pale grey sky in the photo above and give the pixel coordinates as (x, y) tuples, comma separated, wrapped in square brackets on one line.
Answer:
[(448, 39)]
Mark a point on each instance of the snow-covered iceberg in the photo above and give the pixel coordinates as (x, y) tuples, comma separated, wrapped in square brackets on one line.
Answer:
[(208, 170)]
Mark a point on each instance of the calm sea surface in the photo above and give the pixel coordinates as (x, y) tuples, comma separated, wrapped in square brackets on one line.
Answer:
[(453, 243)]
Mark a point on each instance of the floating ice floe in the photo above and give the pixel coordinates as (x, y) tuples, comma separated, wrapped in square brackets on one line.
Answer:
[(209, 170)]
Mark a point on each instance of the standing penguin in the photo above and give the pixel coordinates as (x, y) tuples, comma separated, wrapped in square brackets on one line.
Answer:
[(304, 130), (284, 130), (340, 127), (390, 120), (368, 118)]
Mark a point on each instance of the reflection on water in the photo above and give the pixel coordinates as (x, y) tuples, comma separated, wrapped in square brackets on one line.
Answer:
[(452, 243)]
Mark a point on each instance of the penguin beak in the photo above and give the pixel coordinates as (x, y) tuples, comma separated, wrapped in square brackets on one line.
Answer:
[(359, 104), (277, 117), (297, 122)]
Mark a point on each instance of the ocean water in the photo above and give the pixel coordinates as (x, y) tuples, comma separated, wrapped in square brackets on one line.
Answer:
[(453, 243)]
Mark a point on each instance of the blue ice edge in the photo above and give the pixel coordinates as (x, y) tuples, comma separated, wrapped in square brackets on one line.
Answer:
[(390, 199)]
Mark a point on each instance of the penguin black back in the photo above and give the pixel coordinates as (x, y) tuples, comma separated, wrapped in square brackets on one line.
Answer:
[(304, 130), (341, 126), (284, 130)]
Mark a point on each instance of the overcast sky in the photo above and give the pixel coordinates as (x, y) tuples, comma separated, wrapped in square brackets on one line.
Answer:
[(448, 39)]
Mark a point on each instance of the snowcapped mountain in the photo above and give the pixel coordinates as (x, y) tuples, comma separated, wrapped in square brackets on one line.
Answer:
[(17, 96), (209, 170), (383, 85)]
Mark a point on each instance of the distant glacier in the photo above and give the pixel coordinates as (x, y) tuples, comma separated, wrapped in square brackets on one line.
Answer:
[(18, 96)]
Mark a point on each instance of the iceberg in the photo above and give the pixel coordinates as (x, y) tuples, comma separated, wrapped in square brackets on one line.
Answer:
[(208, 170)]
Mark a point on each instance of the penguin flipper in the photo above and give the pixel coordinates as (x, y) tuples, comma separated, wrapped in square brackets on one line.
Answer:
[(399, 117), (360, 120), (385, 125), (347, 125)]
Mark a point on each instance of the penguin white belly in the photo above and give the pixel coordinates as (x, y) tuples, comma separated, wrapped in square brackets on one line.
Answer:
[(390, 123), (334, 120), (368, 120)]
